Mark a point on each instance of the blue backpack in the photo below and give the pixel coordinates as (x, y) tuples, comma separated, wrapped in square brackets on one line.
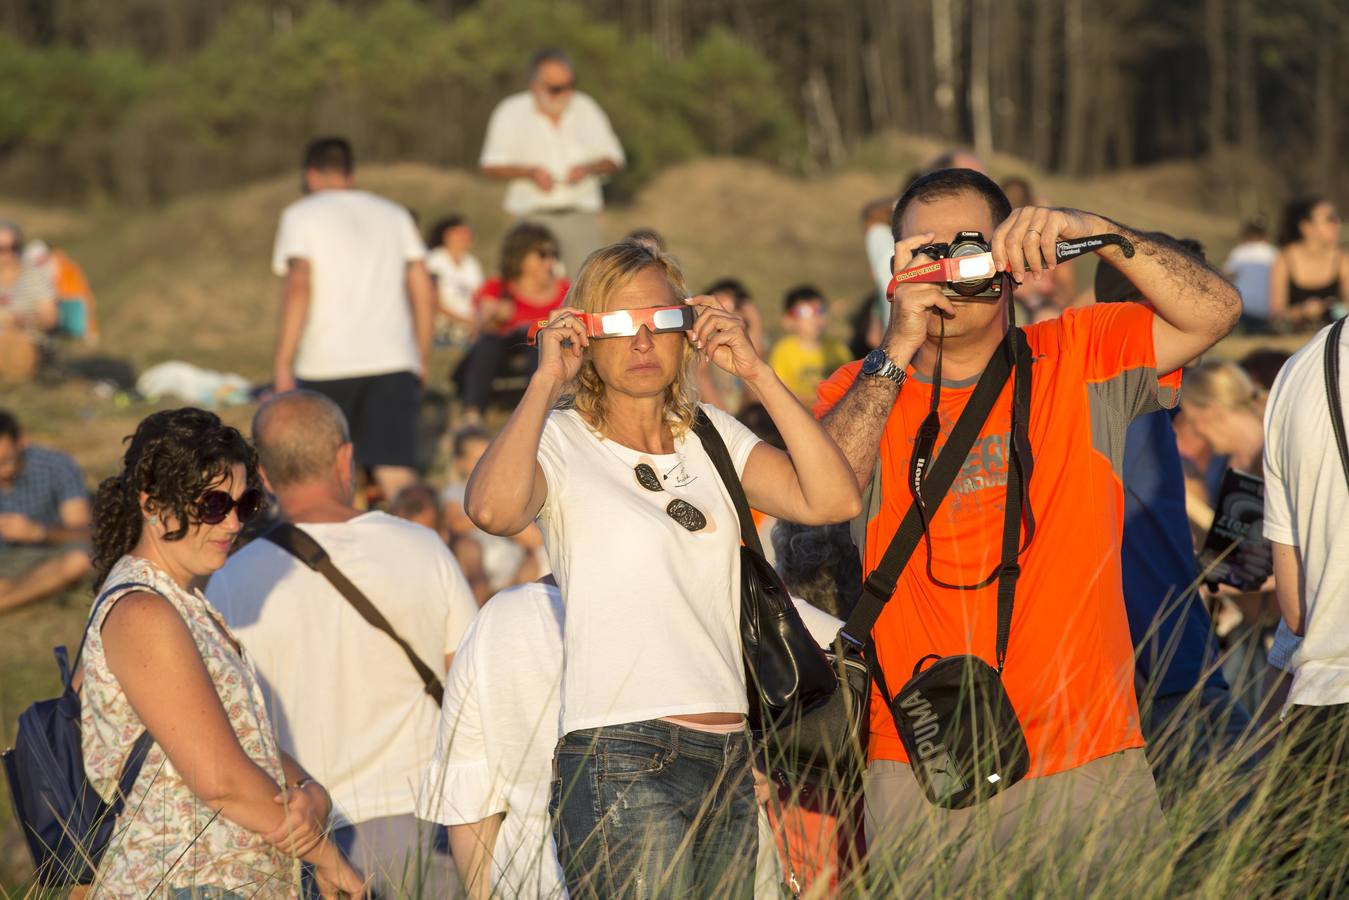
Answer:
[(65, 822)]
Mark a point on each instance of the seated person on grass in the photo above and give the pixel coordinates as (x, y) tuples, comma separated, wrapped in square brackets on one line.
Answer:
[(44, 519)]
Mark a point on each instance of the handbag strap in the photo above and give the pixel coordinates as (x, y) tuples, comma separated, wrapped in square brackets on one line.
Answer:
[(881, 584), (721, 460), (308, 551), (1333, 393)]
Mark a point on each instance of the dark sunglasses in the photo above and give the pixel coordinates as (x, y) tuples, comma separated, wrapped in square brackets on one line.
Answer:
[(547, 252), (557, 90), (214, 506), (688, 516)]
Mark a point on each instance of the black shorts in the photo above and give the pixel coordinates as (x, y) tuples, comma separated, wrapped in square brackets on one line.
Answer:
[(382, 412)]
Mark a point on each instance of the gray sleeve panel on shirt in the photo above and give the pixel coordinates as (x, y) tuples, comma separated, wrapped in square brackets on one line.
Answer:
[(871, 507), (1117, 401)]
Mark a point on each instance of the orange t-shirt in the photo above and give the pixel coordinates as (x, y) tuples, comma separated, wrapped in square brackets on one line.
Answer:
[(1070, 665)]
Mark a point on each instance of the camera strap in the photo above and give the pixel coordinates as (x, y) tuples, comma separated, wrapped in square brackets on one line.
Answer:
[(1332, 371), (880, 585)]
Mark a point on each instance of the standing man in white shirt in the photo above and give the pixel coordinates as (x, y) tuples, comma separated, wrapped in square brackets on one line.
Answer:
[(1306, 508), (344, 695), (553, 145), (357, 310)]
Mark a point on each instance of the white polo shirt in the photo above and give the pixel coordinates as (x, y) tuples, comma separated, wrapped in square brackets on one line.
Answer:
[(518, 134), (1307, 506)]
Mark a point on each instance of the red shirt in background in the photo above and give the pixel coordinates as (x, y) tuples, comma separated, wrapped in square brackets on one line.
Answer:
[(526, 312)]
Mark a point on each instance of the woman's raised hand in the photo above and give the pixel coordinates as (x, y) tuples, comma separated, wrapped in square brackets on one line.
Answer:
[(560, 344), (721, 336)]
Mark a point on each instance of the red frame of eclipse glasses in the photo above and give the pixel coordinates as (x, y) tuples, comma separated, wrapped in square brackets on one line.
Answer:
[(627, 322)]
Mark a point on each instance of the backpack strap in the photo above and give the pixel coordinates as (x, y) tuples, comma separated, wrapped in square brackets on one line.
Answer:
[(308, 551), (68, 671), (135, 760)]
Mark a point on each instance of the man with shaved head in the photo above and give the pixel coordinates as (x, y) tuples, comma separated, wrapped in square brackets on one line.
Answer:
[(344, 696)]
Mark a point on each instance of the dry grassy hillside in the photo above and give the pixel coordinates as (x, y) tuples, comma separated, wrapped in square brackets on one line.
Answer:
[(191, 281)]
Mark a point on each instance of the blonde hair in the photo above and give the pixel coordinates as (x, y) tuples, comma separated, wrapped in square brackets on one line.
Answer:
[(1224, 384), (603, 274)]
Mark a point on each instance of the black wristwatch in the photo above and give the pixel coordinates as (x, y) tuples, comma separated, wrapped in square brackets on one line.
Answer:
[(878, 364)]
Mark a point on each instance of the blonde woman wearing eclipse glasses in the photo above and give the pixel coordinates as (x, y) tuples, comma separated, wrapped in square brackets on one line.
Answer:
[(652, 788)]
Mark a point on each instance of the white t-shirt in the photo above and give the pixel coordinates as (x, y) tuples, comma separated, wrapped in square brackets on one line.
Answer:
[(498, 726), (822, 626), (653, 610), (880, 244), (519, 135), (1249, 264), (358, 246), (345, 699), (1307, 506), (456, 282)]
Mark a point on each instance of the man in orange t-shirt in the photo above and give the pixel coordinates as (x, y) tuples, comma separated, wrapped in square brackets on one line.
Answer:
[(1069, 664)]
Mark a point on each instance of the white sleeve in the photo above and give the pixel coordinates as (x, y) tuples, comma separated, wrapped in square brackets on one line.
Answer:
[(552, 459), (603, 143), (880, 246), (291, 243), (1279, 525), (457, 785), (740, 441), (499, 147), (462, 605), (413, 248)]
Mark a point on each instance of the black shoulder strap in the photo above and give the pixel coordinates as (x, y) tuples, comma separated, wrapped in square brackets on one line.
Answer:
[(1018, 481), (307, 550), (721, 459), (880, 585), (1333, 393)]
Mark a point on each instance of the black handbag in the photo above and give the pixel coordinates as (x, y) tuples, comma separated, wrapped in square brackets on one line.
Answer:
[(957, 724), (786, 672), (825, 745)]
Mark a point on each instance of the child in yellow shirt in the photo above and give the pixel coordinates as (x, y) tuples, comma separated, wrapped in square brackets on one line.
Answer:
[(805, 357)]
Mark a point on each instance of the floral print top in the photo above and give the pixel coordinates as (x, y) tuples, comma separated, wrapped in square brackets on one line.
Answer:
[(166, 839)]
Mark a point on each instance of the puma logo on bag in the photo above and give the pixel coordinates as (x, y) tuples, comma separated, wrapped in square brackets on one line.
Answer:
[(937, 762)]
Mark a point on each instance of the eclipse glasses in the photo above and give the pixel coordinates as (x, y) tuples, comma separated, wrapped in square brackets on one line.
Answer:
[(964, 267), (627, 322)]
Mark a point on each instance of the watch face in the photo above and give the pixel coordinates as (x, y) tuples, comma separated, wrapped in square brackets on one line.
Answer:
[(873, 362)]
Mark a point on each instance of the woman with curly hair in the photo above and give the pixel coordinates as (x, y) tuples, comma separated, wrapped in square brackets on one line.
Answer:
[(652, 792), (218, 810), (527, 290)]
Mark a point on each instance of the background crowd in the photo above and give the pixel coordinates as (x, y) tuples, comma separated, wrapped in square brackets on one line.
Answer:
[(338, 758)]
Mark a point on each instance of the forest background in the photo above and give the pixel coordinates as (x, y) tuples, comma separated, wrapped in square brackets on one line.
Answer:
[(140, 101)]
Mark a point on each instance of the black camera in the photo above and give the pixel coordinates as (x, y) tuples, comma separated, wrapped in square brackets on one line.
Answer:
[(980, 281)]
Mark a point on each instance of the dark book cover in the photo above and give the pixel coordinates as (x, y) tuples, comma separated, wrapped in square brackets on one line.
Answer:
[(1234, 552)]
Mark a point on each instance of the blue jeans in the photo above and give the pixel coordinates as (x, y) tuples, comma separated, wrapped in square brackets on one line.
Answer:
[(650, 809), (1186, 735)]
